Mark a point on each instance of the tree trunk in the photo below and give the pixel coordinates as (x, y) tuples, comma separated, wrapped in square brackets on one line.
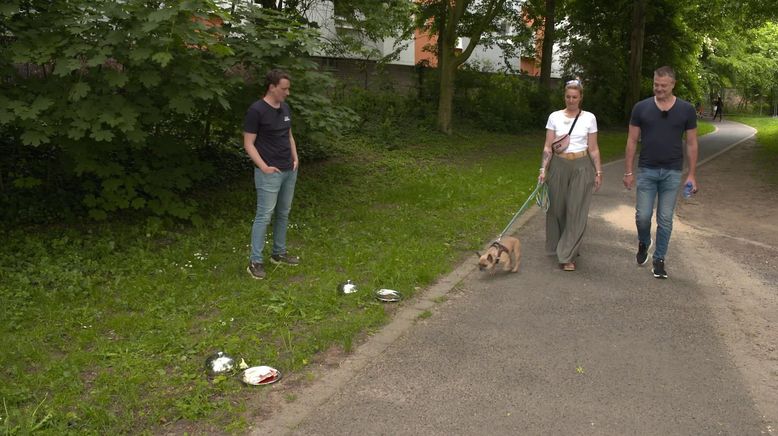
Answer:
[(635, 55), (448, 60), (447, 39), (446, 100), (548, 44)]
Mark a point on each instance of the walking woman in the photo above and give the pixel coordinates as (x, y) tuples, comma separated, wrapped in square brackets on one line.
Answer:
[(571, 168)]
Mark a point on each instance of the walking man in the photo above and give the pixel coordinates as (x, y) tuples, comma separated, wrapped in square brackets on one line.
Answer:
[(660, 123), (268, 140), (719, 106)]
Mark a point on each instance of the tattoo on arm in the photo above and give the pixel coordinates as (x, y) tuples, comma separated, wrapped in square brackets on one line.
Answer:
[(546, 158)]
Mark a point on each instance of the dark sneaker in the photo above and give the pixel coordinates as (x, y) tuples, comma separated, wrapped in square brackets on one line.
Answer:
[(285, 259), (642, 256), (257, 270), (659, 269)]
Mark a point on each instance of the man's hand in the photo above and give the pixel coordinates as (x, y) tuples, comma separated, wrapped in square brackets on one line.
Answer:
[(629, 180), (269, 170), (693, 181)]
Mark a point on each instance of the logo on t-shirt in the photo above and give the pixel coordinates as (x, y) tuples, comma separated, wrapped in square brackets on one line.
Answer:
[(286, 118)]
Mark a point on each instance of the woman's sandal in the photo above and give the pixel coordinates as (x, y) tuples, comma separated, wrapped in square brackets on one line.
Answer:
[(568, 266)]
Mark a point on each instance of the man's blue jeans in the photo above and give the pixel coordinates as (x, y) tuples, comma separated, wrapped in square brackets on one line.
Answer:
[(274, 193), (661, 184)]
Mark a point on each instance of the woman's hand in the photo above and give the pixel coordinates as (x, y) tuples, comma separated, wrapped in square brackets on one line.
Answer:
[(597, 181)]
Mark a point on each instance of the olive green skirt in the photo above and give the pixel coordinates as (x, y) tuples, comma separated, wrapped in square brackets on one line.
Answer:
[(570, 186)]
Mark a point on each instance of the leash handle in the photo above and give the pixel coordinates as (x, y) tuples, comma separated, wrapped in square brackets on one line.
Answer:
[(540, 194)]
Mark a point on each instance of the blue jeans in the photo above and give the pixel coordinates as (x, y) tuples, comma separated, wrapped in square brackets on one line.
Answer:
[(274, 193), (652, 184)]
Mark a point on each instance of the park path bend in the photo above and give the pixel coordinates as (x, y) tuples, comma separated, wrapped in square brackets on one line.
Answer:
[(605, 350)]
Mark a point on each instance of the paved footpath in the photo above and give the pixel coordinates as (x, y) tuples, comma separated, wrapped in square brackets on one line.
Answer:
[(605, 350)]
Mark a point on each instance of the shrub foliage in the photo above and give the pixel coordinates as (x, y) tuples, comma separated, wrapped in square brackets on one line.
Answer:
[(124, 105)]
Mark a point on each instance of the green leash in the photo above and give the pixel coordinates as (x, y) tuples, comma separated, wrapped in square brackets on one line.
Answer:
[(540, 195)]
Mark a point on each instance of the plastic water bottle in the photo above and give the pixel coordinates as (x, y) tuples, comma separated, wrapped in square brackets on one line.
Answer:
[(687, 190)]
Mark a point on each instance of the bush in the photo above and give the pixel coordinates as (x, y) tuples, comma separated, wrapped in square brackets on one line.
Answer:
[(498, 102), (385, 115), (129, 105)]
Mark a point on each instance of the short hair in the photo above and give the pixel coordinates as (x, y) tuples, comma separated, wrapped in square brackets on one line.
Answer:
[(273, 77), (665, 72), (574, 84)]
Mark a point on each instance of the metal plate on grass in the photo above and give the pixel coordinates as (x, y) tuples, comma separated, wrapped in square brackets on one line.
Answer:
[(388, 295), (260, 375)]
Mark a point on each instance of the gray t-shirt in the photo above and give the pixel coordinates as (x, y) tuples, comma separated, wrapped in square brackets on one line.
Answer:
[(661, 133)]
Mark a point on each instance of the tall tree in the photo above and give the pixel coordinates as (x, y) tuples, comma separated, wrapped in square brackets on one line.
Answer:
[(743, 59), (548, 43), (595, 50), (482, 22), (637, 37), (544, 18), (616, 46)]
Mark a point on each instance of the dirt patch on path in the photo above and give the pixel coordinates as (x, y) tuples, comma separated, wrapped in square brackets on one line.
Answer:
[(733, 200), (737, 211), (730, 234)]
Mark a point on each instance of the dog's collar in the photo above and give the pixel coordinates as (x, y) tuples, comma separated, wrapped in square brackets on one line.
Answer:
[(500, 250)]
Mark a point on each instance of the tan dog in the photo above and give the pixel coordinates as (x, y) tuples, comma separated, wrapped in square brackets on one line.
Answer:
[(506, 251)]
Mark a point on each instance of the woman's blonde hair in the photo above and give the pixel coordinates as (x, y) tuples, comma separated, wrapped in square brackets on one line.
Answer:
[(574, 84)]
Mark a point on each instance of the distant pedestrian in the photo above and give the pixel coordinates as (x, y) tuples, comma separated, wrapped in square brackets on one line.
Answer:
[(718, 109), (571, 168), (268, 140), (660, 123)]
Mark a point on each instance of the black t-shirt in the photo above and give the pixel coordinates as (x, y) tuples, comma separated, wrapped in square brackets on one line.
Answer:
[(272, 127), (661, 135)]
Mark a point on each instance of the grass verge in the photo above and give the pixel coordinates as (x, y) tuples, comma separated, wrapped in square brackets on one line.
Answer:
[(767, 137), (105, 328), (704, 127)]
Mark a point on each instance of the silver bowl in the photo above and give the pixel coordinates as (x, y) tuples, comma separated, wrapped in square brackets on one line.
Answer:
[(219, 363), (347, 288), (388, 295)]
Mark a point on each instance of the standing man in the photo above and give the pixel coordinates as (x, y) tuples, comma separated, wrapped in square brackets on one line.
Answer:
[(660, 122), (268, 140)]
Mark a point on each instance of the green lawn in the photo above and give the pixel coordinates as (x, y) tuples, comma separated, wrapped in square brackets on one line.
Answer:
[(767, 137), (105, 327), (704, 127)]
